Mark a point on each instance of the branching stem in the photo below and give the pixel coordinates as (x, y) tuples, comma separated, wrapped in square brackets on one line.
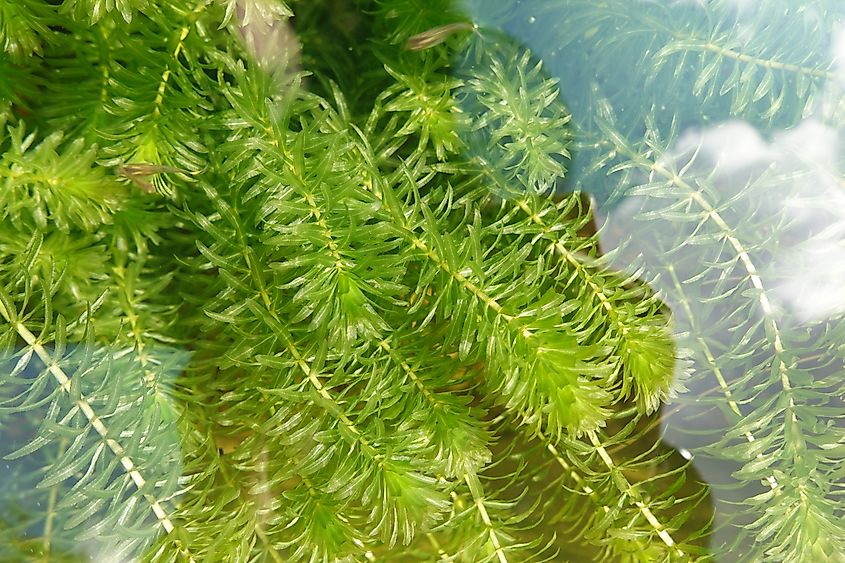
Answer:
[(626, 488), (714, 365), (478, 497), (97, 423)]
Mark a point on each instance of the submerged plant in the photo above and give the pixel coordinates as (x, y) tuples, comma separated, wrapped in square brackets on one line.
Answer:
[(322, 281)]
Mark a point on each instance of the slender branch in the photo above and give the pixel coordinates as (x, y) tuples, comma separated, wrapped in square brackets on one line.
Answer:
[(714, 366), (477, 492), (770, 64), (626, 489), (51, 508), (180, 45)]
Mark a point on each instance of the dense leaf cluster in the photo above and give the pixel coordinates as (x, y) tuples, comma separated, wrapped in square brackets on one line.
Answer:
[(275, 286)]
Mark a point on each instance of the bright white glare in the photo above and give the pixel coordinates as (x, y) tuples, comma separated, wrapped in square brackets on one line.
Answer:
[(788, 187)]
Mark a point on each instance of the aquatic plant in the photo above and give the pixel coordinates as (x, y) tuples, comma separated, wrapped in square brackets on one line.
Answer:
[(396, 280)]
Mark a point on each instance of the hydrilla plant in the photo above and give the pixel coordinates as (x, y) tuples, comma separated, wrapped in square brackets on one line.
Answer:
[(320, 281)]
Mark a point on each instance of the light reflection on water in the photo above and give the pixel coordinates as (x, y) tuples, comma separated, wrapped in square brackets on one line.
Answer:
[(734, 214), (798, 255), (66, 451)]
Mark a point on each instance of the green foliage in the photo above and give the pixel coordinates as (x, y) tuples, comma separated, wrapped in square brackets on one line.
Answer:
[(283, 288), (24, 27)]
